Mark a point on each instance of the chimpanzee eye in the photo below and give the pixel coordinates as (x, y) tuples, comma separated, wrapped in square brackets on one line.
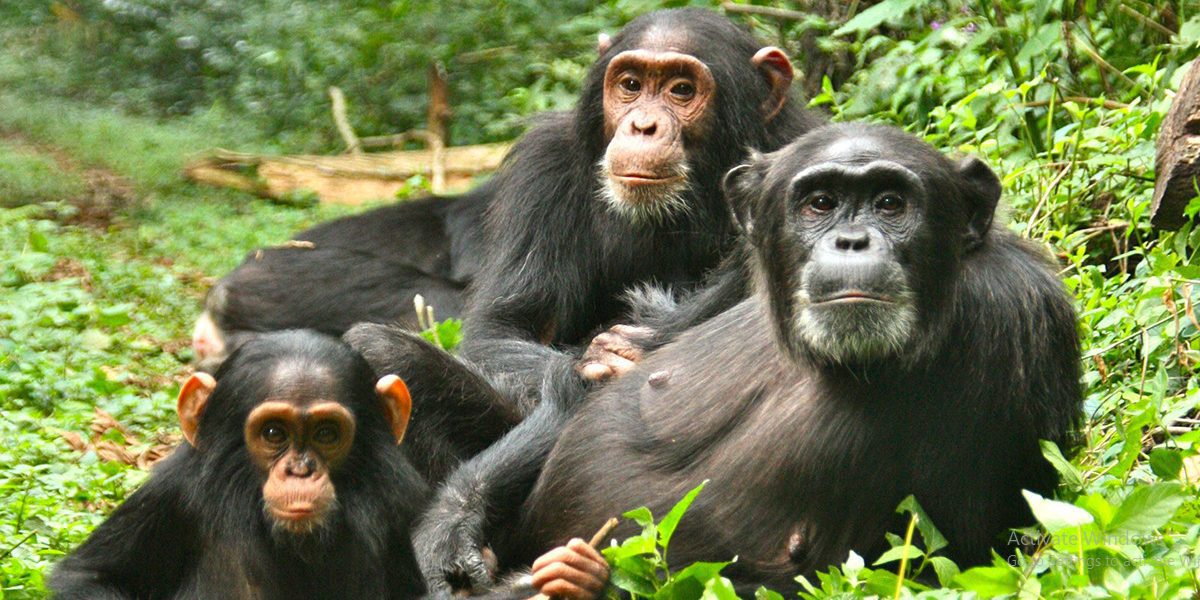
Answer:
[(823, 203), (631, 85), (274, 433), (890, 203), (683, 90), (326, 434)]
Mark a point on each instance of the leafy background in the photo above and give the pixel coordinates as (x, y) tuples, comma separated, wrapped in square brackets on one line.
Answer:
[(105, 251)]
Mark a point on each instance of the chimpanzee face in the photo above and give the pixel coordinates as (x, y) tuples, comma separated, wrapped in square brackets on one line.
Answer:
[(858, 239), (293, 401), (660, 110)]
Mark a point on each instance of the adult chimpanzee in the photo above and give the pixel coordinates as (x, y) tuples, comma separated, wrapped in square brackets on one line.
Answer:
[(624, 189), (896, 344), (361, 268), (290, 485)]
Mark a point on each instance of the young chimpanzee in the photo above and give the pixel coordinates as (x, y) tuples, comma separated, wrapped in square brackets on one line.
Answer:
[(622, 190), (362, 268), (290, 485), (896, 343)]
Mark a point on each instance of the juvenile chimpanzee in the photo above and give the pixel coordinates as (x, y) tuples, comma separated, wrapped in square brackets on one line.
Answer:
[(361, 268), (623, 190), (290, 485), (896, 343)]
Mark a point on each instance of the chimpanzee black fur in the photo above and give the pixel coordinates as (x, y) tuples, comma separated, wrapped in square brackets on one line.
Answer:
[(199, 528), (896, 343), (361, 268)]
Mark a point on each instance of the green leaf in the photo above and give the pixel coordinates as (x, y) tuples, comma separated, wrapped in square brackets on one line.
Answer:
[(1069, 474), (691, 581), (1098, 506), (642, 516), (989, 581), (1166, 462), (116, 315), (1054, 515), (1147, 509), (719, 588), (666, 527), (933, 539), (38, 241), (897, 553), (1047, 37), (763, 593), (945, 568), (888, 10)]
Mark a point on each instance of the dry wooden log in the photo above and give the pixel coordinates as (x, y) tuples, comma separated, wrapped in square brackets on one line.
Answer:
[(1178, 155)]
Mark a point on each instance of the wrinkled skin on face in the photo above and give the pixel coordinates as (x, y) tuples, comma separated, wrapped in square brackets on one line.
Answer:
[(851, 247), (297, 438), (658, 103)]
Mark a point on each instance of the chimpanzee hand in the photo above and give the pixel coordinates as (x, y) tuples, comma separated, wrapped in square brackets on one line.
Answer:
[(572, 572), (614, 352), (450, 554)]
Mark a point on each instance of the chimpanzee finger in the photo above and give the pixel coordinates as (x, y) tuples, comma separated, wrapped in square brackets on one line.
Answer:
[(594, 371)]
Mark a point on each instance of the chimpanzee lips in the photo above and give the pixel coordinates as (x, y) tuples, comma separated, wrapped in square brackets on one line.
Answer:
[(645, 178), (295, 512), (854, 296)]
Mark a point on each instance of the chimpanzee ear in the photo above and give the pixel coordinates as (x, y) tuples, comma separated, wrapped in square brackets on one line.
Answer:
[(983, 193), (775, 67), (193, 399), (603, 43), (738, 186), (397, 404)]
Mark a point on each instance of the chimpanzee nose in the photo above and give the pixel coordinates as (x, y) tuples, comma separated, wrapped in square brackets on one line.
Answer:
[(302, 466), (644, 124), (852, 241)]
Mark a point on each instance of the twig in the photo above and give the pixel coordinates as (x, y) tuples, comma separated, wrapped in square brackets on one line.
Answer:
[(1147, 21), (1109, 104), (1099, 60), (766, 11), (1100, 351), (343, 124), (595, 542), (17, 545)]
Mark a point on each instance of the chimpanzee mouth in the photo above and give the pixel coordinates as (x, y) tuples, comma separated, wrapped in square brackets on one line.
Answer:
[(855, 297), (635, 179), (645, 197)]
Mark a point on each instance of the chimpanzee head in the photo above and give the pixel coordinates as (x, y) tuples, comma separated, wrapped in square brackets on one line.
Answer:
[(293, 414), (673, 101), (859, 232)]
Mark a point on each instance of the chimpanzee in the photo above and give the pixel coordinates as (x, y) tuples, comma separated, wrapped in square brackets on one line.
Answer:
[(896, 343), (624, 189), (290, 485), (365, 267)]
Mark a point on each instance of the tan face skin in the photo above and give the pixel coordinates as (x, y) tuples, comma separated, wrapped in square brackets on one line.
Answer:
[(653, 100), (297, 443), (657, 100), (297, 447)]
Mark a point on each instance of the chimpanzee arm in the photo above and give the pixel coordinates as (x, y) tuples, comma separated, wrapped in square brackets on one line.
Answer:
[(534, 294), (488, 491), (145, 548)]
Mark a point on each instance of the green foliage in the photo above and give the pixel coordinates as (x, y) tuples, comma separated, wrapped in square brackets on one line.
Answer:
[(640, 562), (27, 177)]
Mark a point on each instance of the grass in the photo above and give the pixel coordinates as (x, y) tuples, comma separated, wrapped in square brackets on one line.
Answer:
[(26, 176)]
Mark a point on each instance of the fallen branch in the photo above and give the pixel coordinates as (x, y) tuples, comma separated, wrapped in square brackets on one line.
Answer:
[(766, 11)]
